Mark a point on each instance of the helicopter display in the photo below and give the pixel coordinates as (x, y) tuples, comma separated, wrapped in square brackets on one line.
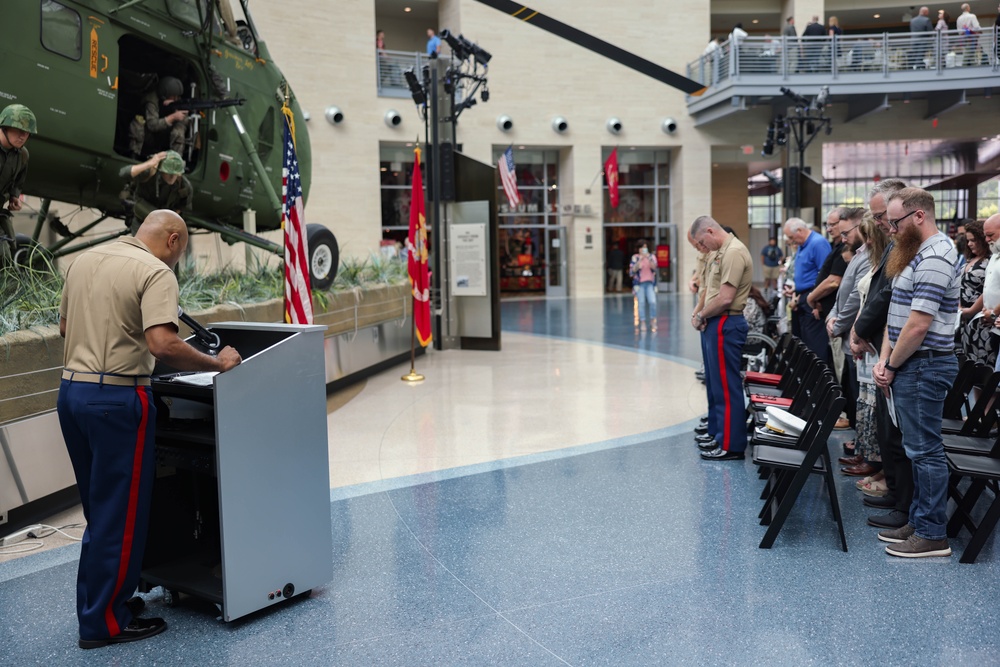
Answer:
[(84, 66)]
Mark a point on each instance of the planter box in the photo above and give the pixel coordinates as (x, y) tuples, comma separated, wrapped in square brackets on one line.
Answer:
[(31, 360)]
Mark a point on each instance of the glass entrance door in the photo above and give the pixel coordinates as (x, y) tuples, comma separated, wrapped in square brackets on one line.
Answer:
[(555, 261)]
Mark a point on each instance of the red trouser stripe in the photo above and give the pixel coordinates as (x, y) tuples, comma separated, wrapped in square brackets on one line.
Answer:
[(725, 384), (133, 501)]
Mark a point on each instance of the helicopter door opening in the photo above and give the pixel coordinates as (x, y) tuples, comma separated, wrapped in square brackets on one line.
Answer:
[(144, 67)]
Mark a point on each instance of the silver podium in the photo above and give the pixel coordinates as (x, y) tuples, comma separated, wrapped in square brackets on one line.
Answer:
[(241, 502)]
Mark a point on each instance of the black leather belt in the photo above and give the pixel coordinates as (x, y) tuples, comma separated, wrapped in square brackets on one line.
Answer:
[(931, 354)]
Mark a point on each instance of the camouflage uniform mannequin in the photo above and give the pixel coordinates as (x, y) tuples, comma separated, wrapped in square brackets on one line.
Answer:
[(157, 183), (17, 122), (149, 122)]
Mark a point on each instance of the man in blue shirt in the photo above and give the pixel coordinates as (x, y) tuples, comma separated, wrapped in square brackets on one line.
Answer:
[(433, 43), (771, 257), (813, 250)]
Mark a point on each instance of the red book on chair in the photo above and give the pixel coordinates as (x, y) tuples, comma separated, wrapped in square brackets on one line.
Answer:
[(777, 401), (763, 378)]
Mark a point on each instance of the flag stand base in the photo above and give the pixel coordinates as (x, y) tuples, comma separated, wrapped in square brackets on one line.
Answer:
[(412, 376)]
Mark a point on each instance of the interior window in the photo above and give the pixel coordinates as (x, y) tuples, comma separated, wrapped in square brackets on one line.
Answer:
[(61, 30)]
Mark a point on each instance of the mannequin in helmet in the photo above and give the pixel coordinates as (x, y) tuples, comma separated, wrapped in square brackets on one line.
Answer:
[(17, 123), (150, 127), (157, 183)]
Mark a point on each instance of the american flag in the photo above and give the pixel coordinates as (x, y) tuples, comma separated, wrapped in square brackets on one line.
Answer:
[(508, 177), (298, 297)]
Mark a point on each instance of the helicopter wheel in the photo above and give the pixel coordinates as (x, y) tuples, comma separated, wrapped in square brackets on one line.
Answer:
[(31, 254), (324, 256)]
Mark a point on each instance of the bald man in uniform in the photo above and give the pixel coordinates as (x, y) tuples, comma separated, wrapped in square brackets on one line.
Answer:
[(118, 312)]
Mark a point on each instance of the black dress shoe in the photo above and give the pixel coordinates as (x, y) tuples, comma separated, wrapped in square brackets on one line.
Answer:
[(885, 502), (701, 429), (719, 454), (136, 605), (139, 628), (708, 446), (705, 437), (894, 519)]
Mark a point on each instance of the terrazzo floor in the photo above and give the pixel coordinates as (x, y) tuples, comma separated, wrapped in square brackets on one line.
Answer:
[(545, 505)]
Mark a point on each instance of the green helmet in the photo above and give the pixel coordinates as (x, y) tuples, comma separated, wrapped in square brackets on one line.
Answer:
[(170, 86), (173, 163), (19, 117)]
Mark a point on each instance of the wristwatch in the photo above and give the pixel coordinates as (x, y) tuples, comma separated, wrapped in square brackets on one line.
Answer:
[(890, 368)]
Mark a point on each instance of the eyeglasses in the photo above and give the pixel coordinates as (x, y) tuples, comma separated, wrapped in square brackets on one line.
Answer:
[(844, 233), (895, 223), (878, 216)]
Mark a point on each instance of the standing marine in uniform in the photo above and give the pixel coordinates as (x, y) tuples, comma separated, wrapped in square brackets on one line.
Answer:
[(17, 123), (157, 183), (728, 277), (118, 312)]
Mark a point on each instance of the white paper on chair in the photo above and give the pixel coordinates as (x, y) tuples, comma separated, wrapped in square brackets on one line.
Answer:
[(198, 379)]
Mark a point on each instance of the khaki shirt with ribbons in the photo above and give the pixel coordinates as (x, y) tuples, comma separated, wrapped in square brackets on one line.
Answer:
[(731, 265), (113, 294), (702, 268)]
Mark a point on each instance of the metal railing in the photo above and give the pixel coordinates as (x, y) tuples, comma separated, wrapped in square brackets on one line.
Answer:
[(880, 54), (391, 65)]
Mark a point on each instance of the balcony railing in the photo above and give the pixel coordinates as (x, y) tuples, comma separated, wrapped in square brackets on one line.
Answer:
[(877, 55), (391, 65)]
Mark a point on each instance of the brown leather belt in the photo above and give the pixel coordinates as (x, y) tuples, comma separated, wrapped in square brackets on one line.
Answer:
[(106, 378)]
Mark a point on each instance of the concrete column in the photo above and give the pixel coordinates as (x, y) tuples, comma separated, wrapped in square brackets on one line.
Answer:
[(577, 167), (803, 11), (691, 196)]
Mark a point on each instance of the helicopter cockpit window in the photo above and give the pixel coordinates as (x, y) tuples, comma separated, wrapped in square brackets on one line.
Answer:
[(188, 11), (62, 31)]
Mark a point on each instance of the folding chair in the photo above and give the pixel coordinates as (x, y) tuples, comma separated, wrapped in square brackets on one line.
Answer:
[(983, 473), (791, 467), (957, 401), (979, 415)]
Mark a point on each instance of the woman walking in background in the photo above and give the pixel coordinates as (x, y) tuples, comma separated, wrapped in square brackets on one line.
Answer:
[(643, 271)]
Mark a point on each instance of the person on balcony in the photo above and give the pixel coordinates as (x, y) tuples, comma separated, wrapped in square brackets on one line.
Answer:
[(919, 24), (969, 29), (433, 43), (811, 48)]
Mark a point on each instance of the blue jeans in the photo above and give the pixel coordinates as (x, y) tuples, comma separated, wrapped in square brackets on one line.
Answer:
[(646, 293), (918, 392)]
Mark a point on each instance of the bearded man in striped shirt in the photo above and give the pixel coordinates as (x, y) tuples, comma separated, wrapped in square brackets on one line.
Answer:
[(917, 365)]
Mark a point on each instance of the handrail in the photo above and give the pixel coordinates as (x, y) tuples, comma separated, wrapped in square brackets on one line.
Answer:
[(877, 54)]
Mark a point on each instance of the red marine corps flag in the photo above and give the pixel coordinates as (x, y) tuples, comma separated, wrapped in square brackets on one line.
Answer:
[(298, 296), (416, 250), (611, 174)]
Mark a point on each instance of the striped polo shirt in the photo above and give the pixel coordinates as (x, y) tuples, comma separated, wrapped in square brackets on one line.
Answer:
[(929, 284)]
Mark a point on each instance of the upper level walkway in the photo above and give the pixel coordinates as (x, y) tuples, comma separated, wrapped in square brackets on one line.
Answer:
[(869, 68)]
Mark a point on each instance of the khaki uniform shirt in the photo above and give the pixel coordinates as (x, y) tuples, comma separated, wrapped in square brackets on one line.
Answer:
[(113, 293), (702, 267), (731, 265)]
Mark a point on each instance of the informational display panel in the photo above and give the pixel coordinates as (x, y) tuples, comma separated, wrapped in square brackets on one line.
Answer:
[(468, 253)]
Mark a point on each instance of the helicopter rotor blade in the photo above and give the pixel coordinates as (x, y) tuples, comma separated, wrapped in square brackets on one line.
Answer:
[(596, 45)]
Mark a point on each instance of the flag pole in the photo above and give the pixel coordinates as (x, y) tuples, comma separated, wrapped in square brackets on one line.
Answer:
[(413, 375)]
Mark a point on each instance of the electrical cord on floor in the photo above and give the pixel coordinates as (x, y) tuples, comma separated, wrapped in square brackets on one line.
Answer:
[(35, 535), (38, 535), (21, 548)]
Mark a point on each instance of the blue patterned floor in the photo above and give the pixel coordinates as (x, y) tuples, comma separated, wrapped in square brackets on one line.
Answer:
[(624, 553)]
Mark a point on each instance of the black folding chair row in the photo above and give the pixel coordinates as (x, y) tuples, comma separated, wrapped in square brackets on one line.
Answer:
[(790, 463), (973, 452)]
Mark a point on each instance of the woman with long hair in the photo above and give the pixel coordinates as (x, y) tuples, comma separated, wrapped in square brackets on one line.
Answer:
[(975, 340), (866, 447)]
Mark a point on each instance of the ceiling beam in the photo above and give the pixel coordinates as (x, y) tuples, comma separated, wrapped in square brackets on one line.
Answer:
[(941, 102), (859, 106)]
